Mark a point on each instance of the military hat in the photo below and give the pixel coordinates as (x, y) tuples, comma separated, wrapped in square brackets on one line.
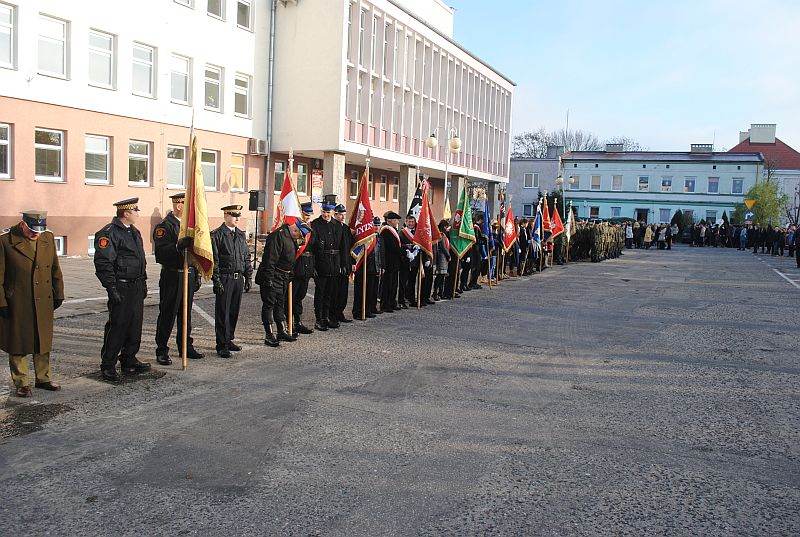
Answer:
[(307, 207), (329, 202), (178, 196), (35, 220), (130, 204), (391, 215), (233, 210), (376, 221), (340, 208)]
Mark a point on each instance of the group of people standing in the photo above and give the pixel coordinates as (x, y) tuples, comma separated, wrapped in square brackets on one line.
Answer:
[(641, 235)]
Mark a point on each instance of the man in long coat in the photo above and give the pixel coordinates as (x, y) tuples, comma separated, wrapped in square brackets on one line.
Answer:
[(32, 288)]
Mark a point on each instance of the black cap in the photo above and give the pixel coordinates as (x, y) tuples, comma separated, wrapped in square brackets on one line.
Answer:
[(130, 204), (391, 215), (340, 209), (233, 210), (178, 196), (35, 220), (307, 207)]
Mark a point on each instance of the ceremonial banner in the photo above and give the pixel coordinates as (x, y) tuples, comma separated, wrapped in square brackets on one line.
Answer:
[(416, 204), (423, 234), (194, 222), (570, 223), (463, 234), (361, 222), (510, 233), (537, 231), (546, 229), (556, 225), (288, 210), (447, 214)]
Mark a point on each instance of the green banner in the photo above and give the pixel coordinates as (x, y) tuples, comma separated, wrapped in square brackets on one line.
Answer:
[(462, 235)]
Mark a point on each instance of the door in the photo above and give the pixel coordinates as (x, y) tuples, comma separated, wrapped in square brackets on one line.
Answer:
[(641, 215)]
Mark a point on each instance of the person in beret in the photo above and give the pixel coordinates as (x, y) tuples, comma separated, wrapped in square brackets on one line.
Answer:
[(391, 257), (32, 288), (328, 264), (343, 285), (120, 265), (303, 270)]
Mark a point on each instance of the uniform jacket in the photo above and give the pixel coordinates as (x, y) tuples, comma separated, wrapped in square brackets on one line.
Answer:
[(391, 250), (328, 246), (165, 239), (278, 259), (304, 265), (348, 240), (118, 254), (31, 281), (230, 252)]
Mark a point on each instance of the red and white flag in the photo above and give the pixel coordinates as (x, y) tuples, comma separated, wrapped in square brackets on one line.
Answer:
[(510, 233), (556, 225), (423, 234), (361, 223), (288, 210)]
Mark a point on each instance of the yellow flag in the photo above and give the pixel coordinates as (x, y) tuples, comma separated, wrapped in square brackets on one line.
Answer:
[(447, 215), (194, 222)]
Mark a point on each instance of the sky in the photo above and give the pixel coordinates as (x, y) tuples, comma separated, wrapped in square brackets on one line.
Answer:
[(665, 73)]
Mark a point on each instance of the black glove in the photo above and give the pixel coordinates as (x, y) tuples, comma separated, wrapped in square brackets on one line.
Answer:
[(5, 313), (57, 303), (184, 243), (218, 287), (196, 283), (114, 296), (248, 284)]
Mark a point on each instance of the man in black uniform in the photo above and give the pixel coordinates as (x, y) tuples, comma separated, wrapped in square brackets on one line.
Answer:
[(347, 265), (169, 254), (303, 271), (231, 268), (476, 259), (273, 277), (391, 261), (327, 247), (409, 263), (373, 269), (119, 264)]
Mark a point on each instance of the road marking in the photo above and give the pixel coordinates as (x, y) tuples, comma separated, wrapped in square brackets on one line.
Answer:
[(203, 314), (785, 277)]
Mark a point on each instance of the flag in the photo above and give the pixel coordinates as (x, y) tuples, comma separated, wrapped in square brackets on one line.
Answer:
[(288, 210), (463, 234), (436, 235), (555, 224), (486, 228), (568, 227), (416, 204), (447, 214), (194, 222), (546, 229), (423, 234), (536, 242), (361, 222), (510, 233)]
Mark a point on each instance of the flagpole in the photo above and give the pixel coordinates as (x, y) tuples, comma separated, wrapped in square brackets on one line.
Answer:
[(569, 232), (541, 238), (185, 305), (419, 280), (290, 320), (364, 259), (455, 278)]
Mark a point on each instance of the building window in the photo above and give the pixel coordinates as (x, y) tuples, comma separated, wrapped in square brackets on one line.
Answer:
[(362, 26), (53, 43), (90, 247), (244, 14), (101, 59), (395, 189), (666, 184), (138, 163), (576, 185), (370, 186), (208, 163), (279, 175), (49, 155), (374, 42), (382, 189), (302, 178), (594, 212), (216, 8), (5, 151), (711, 216), (144, 59), (97, 160), (595, 182), (663, 216), (616, 212), (387, 58), (60, 245), (180, 79), (737, 186), (241, 96), (352, 190), (7, 36), (237, 173), (176, 166), (213, 88), (713, 185), (527, 209), (688, 184), (531, 180), (644, 183), (616, 182)]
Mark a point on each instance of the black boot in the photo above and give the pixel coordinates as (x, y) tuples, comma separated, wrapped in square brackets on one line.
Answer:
[(283, 335), (269, 338), (300, 328), (321, 325)]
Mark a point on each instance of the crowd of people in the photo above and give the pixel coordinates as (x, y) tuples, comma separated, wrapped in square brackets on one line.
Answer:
[(642, 235)]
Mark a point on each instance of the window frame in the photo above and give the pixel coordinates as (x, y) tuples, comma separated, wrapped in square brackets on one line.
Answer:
[(639, 183), (741, 185), (694, 185), (220, 83), (65, 50), (137, 157), (187, 74), (395, 188), (249, 79), (184, 165), (594, 212), (613, 182), (250, 10), (108, 154), (599, 182), (664, 179), (353, 184), (152, 64), (577, 184), (296, 178), (242, 167), (277, 189), (222, 7), (12, 36), (534, 180), (708, 185), (60, 245), (61, 178), (216, 169), (669, 214), (383, 188), (9, 151), (112, 57), (709, 220), (527, 209), (618, 210), (90, 246)]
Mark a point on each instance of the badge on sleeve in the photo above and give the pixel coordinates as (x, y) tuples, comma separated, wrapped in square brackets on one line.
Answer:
[(103, 242), (160, 232)]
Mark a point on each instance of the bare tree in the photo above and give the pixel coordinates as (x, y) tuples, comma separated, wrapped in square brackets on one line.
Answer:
[(628, 144), (530, 144), (534, 144)]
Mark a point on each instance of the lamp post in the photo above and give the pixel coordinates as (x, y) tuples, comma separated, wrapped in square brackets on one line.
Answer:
[(453, 146), (560, 183)]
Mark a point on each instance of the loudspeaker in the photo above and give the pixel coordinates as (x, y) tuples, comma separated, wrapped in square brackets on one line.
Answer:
[(258, 200)]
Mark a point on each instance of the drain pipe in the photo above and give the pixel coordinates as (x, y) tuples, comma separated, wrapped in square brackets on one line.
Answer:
[(270, 92)]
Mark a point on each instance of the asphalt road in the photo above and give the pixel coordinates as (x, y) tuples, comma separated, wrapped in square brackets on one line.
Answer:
[(654, 394)]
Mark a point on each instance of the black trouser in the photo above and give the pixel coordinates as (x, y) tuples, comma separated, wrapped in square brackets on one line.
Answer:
[(226, 309), (299, 291), (389, 285), (325, 290), (170, 306), (466, 270), (342, 288), (372, 289), (797, 253), (451, 275), (439, 286), (402, 281), (411, 283), (122, 335), (427, 282), (273, 300)]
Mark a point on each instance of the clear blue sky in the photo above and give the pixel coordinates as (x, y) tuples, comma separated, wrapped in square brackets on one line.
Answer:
[(666, 73)]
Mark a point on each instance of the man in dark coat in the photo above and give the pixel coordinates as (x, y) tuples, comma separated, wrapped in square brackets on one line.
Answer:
[(392, 255), (120, 264), (327, 248), (232, 268), (273, 277), (303, 271), (343, 285), (373, 270), (409, 263), (32, 287), (170, 255)]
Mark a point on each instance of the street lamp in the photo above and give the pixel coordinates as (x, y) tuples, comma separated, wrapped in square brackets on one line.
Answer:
[(560, 183), (453, 146)]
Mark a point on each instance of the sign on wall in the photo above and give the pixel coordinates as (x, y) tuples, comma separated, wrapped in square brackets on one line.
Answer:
[(316, 186)]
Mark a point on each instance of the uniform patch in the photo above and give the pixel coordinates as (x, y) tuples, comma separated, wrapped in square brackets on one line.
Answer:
[(103, 242), (160, 232)]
